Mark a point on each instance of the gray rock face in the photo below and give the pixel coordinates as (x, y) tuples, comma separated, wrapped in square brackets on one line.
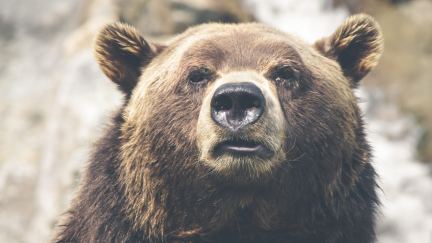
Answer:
[(165, 17)]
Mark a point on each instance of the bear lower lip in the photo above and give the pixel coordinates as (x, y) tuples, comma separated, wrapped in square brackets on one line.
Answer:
[(243, 148)]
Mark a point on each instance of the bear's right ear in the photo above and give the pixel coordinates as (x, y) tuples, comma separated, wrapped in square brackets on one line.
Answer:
[(121, 53)]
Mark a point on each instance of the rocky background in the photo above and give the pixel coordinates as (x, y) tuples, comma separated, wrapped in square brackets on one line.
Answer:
[(54, 100)]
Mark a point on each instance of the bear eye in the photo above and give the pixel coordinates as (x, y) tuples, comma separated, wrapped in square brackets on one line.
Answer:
[(201, 75), (287, 76), (284, 73)]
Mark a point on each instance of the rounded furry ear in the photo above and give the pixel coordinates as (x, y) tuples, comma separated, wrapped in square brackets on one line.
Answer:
[(121, 53), (356, 45)]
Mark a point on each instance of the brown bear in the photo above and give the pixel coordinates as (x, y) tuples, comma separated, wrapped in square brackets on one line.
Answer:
[(232, 133)]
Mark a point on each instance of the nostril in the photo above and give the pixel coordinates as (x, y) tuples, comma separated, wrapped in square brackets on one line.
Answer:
[(250, 102), (222, 103)]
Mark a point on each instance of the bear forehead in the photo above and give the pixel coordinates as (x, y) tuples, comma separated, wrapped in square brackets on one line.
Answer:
[(237, 46)]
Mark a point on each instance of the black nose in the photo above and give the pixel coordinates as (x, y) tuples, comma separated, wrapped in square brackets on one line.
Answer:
[(236, 105)]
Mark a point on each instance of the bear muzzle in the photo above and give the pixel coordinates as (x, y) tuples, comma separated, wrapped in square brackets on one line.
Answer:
[(234, 107), (241, 126)]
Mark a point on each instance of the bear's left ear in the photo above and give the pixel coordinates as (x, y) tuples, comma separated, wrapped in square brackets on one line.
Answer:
[(356, 45), (121, 53)]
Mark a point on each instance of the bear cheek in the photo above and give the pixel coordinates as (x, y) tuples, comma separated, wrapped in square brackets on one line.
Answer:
[(207, 132), (324, 129)]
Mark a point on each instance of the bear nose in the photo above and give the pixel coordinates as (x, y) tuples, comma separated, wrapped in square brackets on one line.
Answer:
[(236, 105)]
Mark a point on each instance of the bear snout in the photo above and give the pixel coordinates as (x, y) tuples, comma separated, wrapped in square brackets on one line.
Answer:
[(241, 126), (234, 106)]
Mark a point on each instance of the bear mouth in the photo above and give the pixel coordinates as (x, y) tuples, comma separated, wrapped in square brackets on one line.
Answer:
[(241, 148)]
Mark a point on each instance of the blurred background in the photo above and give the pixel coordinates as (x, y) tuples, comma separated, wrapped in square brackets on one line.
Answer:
[(54, 101)]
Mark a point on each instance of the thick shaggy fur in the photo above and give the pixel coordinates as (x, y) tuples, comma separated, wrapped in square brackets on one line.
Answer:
[(147, 183)]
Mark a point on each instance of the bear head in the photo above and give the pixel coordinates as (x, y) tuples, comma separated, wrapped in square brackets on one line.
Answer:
[(238, 106)]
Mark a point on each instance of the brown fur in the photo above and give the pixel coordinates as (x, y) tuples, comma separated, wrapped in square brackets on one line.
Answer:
[(151, 181), (357, 45), (120, 52)]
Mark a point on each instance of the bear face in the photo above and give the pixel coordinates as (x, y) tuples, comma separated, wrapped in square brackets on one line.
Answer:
[(303, 89), (244, 116)]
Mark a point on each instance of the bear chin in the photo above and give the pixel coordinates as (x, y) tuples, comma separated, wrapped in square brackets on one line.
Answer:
[(240, 168)]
